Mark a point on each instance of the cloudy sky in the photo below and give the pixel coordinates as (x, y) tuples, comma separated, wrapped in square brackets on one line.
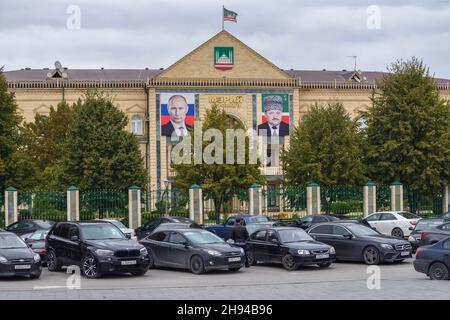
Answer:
[(299, 34)]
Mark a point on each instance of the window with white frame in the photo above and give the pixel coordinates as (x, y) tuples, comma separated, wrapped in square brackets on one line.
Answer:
[(136, 125)]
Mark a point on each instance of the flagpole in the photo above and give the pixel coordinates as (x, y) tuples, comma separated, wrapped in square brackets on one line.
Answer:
[(223, 21)]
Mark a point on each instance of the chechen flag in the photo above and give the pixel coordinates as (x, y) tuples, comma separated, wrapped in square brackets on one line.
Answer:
[(229, 15)]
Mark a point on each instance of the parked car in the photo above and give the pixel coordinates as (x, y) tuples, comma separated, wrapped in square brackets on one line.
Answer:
[(97, 247), (175, 225), (393, 223), (16, 258), (146, 229), (224, 230), (195, 249), (434, 260), (292, 247), (29, 226), (126, 231), (422, 226), (446, 216), (307, 221), (435, 234), (36, 241), (357, 242)]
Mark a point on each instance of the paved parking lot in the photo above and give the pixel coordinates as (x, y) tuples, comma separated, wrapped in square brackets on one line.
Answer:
[(340, 281)]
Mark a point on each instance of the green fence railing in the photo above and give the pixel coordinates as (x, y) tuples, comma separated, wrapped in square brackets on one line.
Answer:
[(346, 201), (383, 198), (104, 204), (157, 203), (45, 205), (423, 204)]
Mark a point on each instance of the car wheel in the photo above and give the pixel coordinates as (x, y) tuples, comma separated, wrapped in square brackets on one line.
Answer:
[(438, 271), (324, 265), (197, 265), (398, 233), (251, 258), (371, 255), (234, 269), (52, 261), (89, 267), (289, 262)]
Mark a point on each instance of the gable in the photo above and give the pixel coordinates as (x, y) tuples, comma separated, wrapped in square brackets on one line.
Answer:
[(247, 64)]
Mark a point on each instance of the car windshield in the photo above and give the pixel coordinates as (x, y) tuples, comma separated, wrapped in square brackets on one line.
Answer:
[(259, 219), (101, 231), (408, 215), (287, 236), (428, 224), (118, 224), (38, 235), (11, 241), (202, 237), (45, 224), (361, 230), (256, 226)]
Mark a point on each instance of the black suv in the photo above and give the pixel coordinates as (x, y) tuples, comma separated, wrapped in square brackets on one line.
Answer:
[(97, 247)]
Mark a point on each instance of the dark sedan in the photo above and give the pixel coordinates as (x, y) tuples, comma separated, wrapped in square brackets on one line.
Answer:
[(357, 242), (146, 229), (36, 241), (194, 249), (309, 220), (290, 246), (224, 230), (423, 225), (29, 226), (16, 258), (434, 260), (435, 234)]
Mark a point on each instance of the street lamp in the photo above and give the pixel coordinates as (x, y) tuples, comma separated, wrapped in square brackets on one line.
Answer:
[(166, 185)]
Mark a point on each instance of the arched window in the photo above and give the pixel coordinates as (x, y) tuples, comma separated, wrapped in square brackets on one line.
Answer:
[(136, 125)]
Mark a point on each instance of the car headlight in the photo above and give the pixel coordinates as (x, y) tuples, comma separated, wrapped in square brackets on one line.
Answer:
[(143, 251), (303, 252), (101, 252), (387, 246), (3, 259), (332, 250), (36, 257), (242, 250), (213, 253)]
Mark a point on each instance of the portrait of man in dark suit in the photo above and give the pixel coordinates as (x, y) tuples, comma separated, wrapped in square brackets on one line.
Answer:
[(177, 108), (273, 110)]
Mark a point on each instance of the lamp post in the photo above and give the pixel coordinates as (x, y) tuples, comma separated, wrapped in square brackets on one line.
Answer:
[(166, 185)]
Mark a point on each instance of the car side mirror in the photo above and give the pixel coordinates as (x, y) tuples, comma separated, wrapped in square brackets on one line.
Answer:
[(348, 236), (186, 244), (74, 239), (128, 236), (411, 228), (274, 241)]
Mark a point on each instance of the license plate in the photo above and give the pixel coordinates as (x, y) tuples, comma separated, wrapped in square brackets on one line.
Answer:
[(322, 256), (22, 267), (405, 253), (234, 259), (128, 262)]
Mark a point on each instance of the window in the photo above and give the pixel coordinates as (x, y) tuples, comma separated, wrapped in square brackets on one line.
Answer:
[(307, 219), (73, 231), (318, 219), (374, 217), (271, 236), (324, 229), (445, 226), (24, 225), (160, 236), (339, 231), (176, 238), (446, 245), (260, 235), (136, 125), (387, 217), (231, 222), (62, 231), (408, 215)]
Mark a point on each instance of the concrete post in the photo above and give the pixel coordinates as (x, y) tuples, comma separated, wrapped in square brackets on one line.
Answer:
[(73, 204), (11, 211), (396, 196), (255, 200), (446, 200), (134, 207), (196, 203), (313, 198), (370, 198)]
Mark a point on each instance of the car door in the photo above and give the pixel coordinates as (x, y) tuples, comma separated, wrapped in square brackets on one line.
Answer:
[(324, 233), (373, 220), (158, 243), (273, 250), (178, 251), (73, 248), (343, 244), (258, 245), (446, 247), (387, 223)]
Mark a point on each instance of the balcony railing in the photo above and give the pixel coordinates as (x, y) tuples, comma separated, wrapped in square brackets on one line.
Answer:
[(271, 171)]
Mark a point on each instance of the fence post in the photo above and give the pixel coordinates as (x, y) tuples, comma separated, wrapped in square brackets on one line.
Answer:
[(446, 200), (134, 207), (396, 196), (73, 204), (10, 206), (313, 198), (255, 200), (196, 204), (370, 198)]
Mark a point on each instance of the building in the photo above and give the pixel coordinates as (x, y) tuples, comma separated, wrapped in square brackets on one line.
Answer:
[(224, 71)]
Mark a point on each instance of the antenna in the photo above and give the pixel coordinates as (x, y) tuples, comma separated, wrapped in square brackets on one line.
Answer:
[(354, 57)]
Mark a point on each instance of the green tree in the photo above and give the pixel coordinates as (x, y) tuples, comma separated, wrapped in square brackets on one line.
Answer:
[(326, 147), (220, 182), (408, 129), (99, 153), (9, 134)]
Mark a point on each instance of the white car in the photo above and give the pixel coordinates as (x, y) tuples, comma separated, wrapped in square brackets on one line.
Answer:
[(393, 223), (120, 225)]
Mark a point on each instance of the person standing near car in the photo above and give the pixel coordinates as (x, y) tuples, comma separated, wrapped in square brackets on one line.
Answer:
[(240, 235)]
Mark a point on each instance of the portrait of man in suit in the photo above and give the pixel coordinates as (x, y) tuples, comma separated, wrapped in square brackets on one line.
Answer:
[(273, 111), (177, 107)]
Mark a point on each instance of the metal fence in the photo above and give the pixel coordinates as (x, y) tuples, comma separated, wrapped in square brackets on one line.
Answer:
[(423, 204), (45, 205), (157, 203), (104, 204), (345, 201), (383, 200)]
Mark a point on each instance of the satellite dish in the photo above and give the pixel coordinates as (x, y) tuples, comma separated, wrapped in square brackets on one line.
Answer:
[(58, 65)]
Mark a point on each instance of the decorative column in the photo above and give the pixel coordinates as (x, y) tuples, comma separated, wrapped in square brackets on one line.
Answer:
[(396, 196), (196, 203), (10, 206), (73, 204), (313, 198), (134, 207), (446, 199), (255, 200), (370, 198)]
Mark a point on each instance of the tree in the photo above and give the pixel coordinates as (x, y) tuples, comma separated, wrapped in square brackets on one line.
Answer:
[(99, 153), (9, 133), (220, 182), (408, 129), (325, 148)]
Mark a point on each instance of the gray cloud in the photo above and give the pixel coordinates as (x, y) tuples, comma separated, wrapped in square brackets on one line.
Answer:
[(155, 33)]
